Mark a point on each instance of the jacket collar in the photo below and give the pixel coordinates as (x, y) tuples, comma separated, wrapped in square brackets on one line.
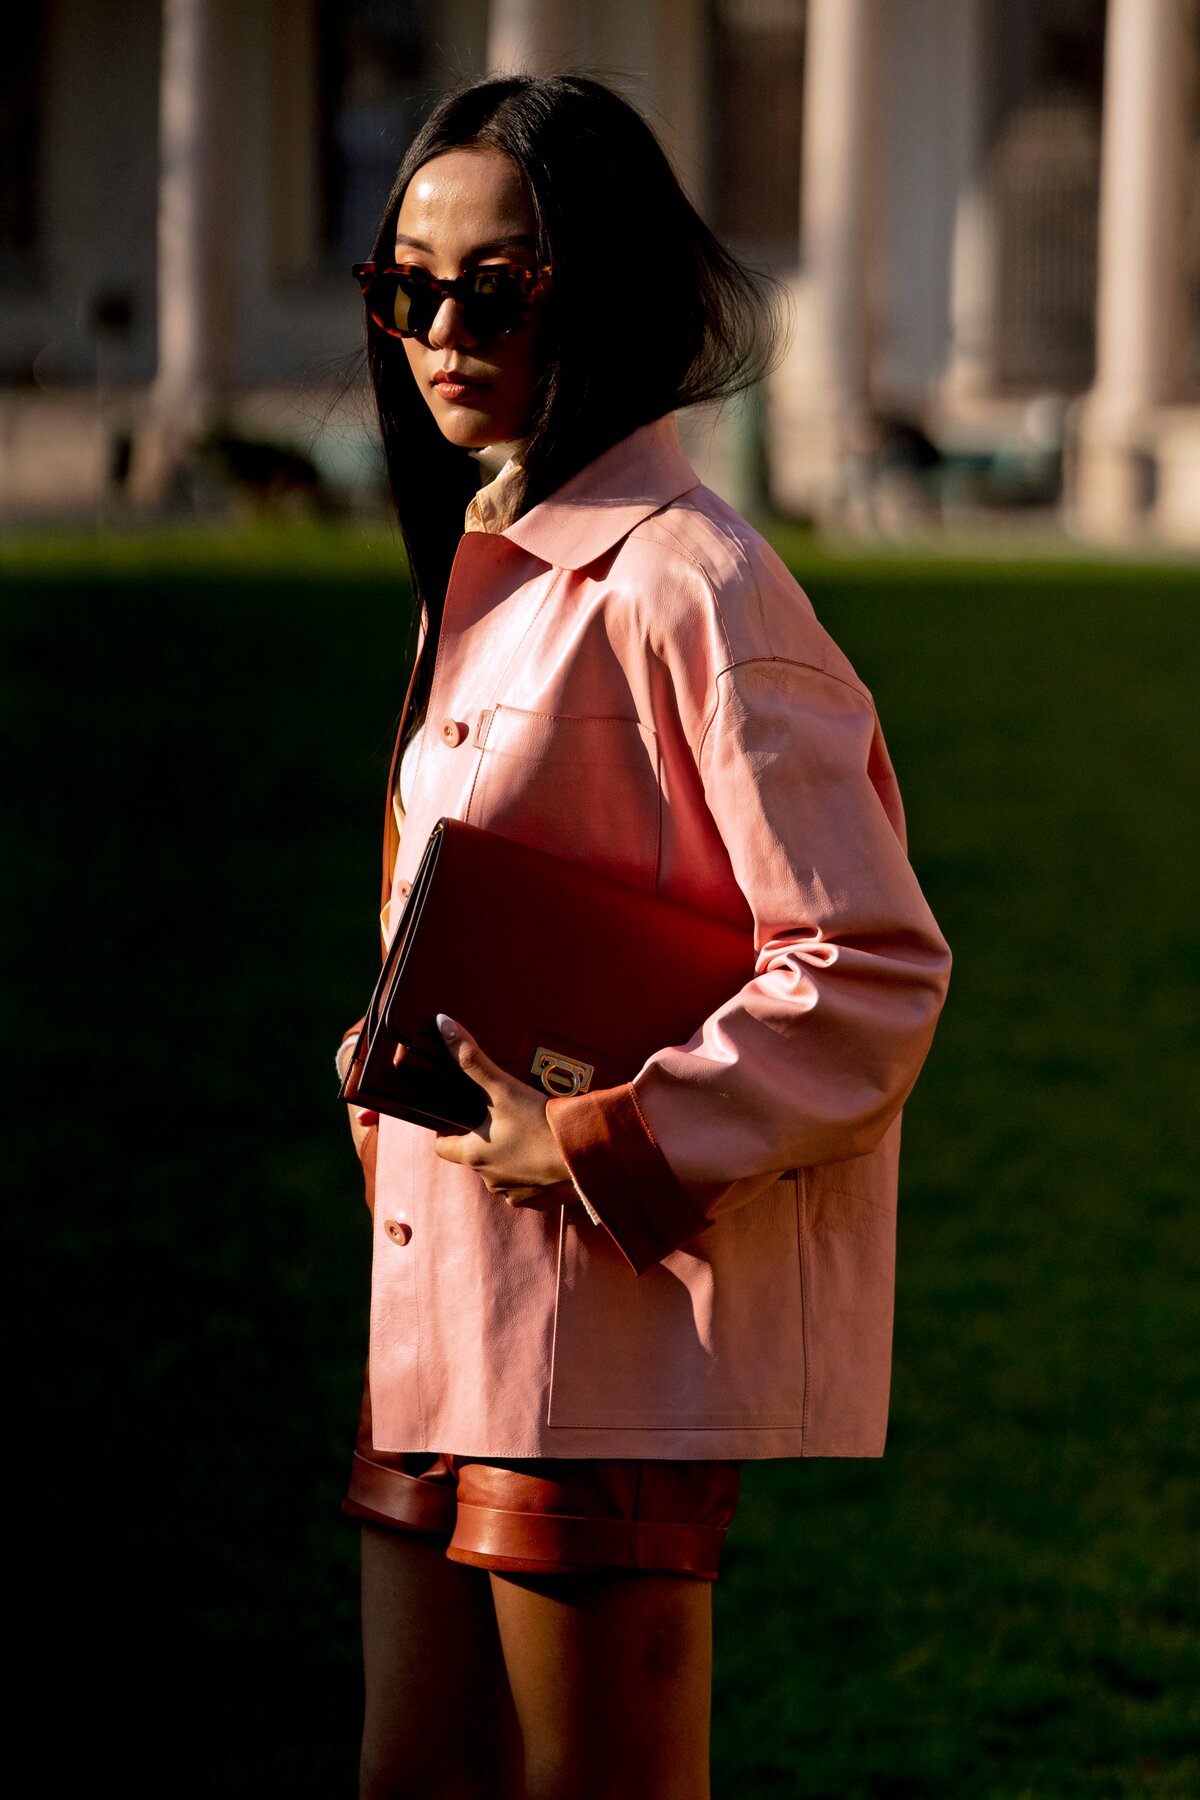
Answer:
[(603, 502)]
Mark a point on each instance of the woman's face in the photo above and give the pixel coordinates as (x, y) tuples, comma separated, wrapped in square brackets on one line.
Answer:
[(464, 210)]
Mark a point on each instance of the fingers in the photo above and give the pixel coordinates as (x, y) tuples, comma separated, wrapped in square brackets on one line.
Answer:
[(470, 1058), (465, 1147), (473, 1152), (532, 1199), (509, 1150)]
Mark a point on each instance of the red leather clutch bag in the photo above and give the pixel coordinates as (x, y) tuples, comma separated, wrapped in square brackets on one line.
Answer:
[(567, 979)]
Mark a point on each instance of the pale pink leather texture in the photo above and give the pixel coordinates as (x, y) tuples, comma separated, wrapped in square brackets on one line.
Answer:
[(629, 676)]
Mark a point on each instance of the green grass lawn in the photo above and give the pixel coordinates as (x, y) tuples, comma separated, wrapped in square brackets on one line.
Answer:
[(1004, 1607)]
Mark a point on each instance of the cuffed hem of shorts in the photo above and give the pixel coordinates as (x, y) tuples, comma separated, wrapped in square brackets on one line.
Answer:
[(552, 1543), (405, 1502)]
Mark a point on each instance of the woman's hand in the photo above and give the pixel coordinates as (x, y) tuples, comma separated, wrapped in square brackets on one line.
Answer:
[(513, 1151)]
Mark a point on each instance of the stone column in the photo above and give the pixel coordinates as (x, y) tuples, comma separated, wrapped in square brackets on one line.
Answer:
[(530, 36), (971, 367), (1140, 299), (194, 230), (840, 101), (819, 411)]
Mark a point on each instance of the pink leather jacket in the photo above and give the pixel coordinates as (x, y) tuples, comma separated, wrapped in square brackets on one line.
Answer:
[(629, 676)]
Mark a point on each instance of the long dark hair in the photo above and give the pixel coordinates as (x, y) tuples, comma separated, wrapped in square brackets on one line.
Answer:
[(647, 311)]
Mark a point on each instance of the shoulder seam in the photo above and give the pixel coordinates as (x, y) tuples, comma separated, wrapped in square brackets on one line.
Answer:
[(798, 662), (682, 550), (791, 662)]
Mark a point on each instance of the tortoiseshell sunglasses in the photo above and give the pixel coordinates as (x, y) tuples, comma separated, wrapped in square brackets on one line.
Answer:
[(495, 300)]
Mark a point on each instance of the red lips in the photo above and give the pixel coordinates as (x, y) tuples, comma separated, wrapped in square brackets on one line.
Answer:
[(455, 378)]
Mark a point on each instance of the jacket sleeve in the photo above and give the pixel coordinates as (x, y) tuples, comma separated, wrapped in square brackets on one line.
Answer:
[(812, 1059)]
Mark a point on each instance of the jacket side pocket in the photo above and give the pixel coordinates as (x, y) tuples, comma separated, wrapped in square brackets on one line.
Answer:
[(712, 1337)]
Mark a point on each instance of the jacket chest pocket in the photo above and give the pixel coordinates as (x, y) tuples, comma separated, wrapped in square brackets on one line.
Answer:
[(585, 788)]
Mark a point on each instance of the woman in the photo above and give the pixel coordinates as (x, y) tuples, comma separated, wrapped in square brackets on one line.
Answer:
[(589, 1312)]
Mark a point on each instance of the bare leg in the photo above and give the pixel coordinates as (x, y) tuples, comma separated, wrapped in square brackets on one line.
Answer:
[(440, 1721), (612, 1678)]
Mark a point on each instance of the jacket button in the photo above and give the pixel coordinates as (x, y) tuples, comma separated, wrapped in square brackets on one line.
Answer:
[(453, 732), (398, 1231)]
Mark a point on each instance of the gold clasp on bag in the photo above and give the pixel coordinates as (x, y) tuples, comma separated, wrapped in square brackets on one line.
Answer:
[(561, 1074)]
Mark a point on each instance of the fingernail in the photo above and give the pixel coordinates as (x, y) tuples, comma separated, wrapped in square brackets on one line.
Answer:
[(367, 1118), (447, 1027)]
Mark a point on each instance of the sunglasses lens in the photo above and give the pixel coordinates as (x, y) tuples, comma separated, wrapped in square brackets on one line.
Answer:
[(493, 302), (415, 302), (400, 303), (496, 303)]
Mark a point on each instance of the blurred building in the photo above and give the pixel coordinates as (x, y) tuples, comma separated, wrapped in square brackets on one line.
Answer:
[(986, 212)]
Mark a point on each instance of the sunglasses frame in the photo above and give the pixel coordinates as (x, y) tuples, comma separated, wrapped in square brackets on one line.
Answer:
[(530, 280)]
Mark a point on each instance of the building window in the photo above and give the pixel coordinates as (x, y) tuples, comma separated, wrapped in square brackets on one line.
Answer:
[(20, 96), (375, 88), (1044, 176), (758, 89)]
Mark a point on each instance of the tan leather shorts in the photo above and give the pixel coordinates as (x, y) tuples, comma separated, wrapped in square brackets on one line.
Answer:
[(550, 1516)]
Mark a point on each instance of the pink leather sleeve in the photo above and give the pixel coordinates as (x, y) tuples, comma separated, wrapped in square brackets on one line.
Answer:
[(812, 1059), (610, 1151)]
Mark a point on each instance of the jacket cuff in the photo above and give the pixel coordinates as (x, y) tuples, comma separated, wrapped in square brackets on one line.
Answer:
[(342, 1054), (618, 1167)]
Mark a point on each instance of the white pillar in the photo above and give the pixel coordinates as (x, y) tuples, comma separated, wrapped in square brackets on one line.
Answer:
[(194, 230), (970, 371), (530, 36), (839, 178), (817, 424), (1140, 296)]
